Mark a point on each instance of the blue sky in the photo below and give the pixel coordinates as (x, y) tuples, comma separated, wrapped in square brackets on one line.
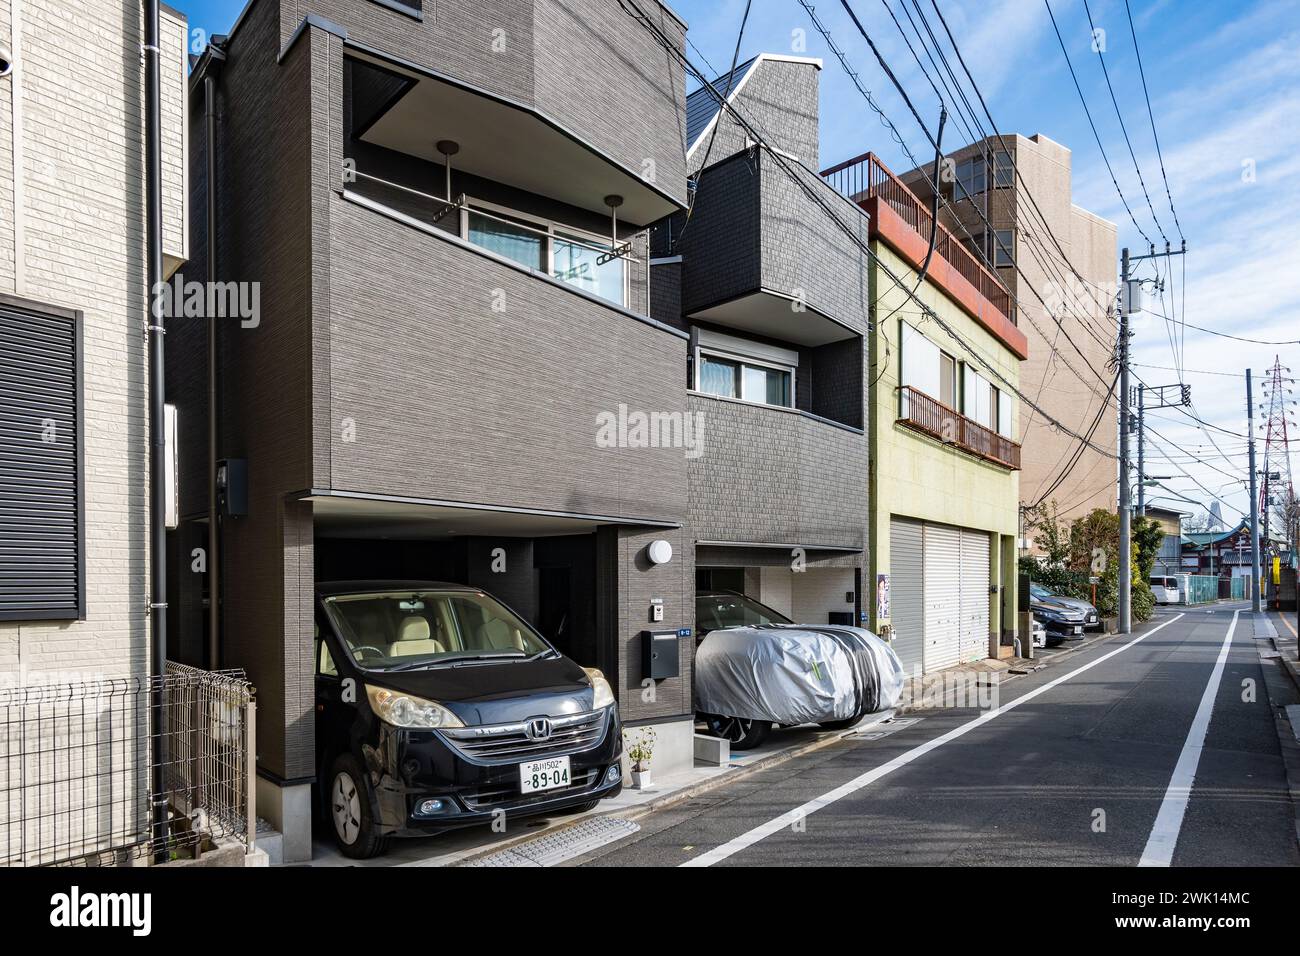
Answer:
[(1223, 84)]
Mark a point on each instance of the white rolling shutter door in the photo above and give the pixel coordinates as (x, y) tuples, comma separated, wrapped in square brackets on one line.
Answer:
[(974, 595), (942, 597), (906, 592)]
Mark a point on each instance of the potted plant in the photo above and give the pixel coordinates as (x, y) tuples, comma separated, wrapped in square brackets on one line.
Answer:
[(640, 751)]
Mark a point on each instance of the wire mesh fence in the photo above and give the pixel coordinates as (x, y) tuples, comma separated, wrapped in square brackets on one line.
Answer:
[(77, 764), (1201, 589)]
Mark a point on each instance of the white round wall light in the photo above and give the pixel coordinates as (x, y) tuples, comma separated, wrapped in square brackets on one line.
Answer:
[(660, 552)]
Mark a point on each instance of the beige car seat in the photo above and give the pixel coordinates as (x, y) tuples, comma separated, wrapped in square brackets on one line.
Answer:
[(501, 636), (413, 637)]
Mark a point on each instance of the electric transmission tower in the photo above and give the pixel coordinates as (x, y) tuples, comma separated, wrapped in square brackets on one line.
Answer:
[(1276, 488)]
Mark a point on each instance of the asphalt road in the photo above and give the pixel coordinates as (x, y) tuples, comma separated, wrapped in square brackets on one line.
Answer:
[(1086, 769)]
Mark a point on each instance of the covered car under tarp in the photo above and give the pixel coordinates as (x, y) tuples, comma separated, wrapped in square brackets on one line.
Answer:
[(796, 674)]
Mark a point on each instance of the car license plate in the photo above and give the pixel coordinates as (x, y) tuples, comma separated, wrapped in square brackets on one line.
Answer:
[(1078, 629), (549, 774)]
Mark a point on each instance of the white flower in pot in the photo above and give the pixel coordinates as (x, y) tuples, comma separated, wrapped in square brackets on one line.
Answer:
[(640, 751)]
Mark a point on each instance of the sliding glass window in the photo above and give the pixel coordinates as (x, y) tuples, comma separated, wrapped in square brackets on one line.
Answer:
[(514, 240), (748, 381), (576, 262)]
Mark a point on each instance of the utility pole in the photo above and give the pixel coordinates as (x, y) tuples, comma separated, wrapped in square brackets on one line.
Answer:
[(1125, 517), (1142, 445), (1130, 303), (1254, 499)]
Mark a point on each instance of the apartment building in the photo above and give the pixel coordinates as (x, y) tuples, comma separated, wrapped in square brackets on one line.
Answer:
[(944, 462), (774, 298), (1009, 201), (455, 363)]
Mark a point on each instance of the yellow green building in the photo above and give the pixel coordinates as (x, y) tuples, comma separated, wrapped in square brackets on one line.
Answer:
[(944, 467)]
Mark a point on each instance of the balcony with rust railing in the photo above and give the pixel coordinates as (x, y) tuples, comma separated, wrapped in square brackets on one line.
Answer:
[(903, 221), (920, 412)]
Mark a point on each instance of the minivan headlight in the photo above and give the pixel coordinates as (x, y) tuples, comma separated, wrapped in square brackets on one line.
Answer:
[(604, 693), (406, 710)]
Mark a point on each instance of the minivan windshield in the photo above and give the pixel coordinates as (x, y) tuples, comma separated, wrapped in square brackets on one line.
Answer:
[(405, 630), (714, 611)]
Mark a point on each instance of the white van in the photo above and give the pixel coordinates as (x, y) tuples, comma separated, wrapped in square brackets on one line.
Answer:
[(1166, 590)]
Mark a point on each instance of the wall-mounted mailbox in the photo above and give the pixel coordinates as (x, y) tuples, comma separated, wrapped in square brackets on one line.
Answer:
[(232, 487), (840, 618), (659, 654)]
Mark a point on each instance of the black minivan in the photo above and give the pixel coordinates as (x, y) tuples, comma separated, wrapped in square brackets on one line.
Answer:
[(438, 707)]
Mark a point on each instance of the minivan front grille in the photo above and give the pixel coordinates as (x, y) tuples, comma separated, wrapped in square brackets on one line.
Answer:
[(510, 743)]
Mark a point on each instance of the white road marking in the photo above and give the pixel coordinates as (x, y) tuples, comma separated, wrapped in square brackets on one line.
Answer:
[(1164, 832), (732, 847)]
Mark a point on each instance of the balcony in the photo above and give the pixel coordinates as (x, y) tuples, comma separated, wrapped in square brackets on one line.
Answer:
[(765, 260), (904, 222), (772, 477), (418, 114), (930, 417)]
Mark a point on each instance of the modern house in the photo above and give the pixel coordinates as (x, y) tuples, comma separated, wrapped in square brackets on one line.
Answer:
[(455, 374), (74, 434), (773, 296), (944, 413), (1009, 201)]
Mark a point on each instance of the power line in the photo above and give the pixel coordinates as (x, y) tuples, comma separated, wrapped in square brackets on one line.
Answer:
[(1023, 186), (1095, 134), (1226, 335), (761, 141), (1154, 135), (1123, 127), (920, 122)]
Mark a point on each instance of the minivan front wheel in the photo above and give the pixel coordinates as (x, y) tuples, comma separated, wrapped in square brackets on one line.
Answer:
[(349, 805)]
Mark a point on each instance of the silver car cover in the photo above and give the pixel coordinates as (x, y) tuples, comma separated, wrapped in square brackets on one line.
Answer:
[(796, 673)]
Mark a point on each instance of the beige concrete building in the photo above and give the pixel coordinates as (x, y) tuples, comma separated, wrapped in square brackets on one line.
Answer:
[(1061, 314), (73, 417)]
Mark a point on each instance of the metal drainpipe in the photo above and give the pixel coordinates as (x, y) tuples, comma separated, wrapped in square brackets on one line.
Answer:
[(157, 434), (215, 58)]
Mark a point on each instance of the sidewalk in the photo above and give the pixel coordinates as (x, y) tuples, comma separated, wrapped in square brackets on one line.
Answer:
[(1275, 641)]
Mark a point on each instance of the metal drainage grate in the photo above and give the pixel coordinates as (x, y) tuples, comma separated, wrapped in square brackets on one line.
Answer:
[(883, 729), (552, 849)]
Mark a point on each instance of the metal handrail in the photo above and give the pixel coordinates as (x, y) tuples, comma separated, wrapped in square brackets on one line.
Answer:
[(612, 251), (921, 412), (865, 177)]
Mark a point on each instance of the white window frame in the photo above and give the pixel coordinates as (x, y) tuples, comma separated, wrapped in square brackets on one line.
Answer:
[(733, 349), (548, 226)]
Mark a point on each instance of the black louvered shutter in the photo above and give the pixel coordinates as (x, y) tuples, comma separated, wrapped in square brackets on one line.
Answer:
[(42, 566)]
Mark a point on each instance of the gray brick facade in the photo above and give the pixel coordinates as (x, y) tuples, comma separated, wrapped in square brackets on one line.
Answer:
[(397, 360)]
